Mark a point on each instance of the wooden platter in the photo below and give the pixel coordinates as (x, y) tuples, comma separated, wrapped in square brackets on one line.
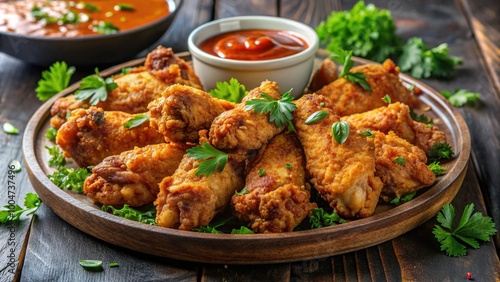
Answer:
[(387, 223)]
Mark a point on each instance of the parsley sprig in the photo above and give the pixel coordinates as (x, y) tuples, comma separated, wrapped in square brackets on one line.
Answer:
[(320, 218), (13, 212), (461, 97), (280, 111), (470, 229), (95, 88), (148, 216), (54, 80), (69, 178), (344, 57), (136, 121), (212, 159), (232, 91)]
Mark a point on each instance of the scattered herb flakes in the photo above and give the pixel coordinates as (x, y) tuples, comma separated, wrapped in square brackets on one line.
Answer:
[(51, 134), (242, 192), (123, 7), (461, 97), (113, 264), (57, 158), (420, 118), (436, 168), (288, 166), (262, 172), (320, 218), (105, 27), (387, 99), (367, 133), (400, 161), (9, 128)]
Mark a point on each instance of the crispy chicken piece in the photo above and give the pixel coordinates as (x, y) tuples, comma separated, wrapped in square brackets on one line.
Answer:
[(92, 134), (396, 117), (133, 177), (404, 176), (326, 74), (349, 98), (182, 111), (278, 200), (187, 201), (343, 174), (245, 130), (137, 88)]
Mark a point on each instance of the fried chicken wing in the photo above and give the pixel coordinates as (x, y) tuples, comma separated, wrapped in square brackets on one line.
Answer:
[(182, 111), (326, 74), (396, 117), (187, 201), (277, 197), (343, 174), (92, 134), (137, 88), (404, 176), (349, 98), (245, 130), (133, 177)]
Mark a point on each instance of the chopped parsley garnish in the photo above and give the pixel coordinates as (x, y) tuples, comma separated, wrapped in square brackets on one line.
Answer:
[(13, 212), (470, 229), (262, 172), (91, 265), (57, 158), (95, 88), (9, 128), (440, 151), (386, 99), (403, 199), (113, 264), (367, 133), (340, 131), (280, 110), (436, 168), (423, 62), (148, 216), (344, 58), (461, 97), (400, 161), (242, 230), (316, 116), (212, 159), (104, 27), (51, 134), (420, 118), (287, 165), (242, 192), (136, 121), (320, 218), (124, 7), (232, 91), (69, 178), (91, 7), (54, 80)]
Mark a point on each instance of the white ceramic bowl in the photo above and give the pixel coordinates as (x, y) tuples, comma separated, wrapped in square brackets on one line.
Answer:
[(290, 72)]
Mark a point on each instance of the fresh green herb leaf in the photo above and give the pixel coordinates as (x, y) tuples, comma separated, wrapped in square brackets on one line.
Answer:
[(316, 116), (124, 7), (9, 128), (69, 18), (423, 62), (212, 159), (57, 157), (91, 7), (95, 88), (54, 80), (113, 264), (436, 168), (288, 165), (125, 70), (232, 91), (280, 111), (322, 104), (403, 199), (13, 212), (387, 99), (320, 218), (440, 151), (344, 58), (470, 229), (242, 192), (461, 97), (367, 133), (51, 134), (212, 228), (38, 14), (136, 121), (340, 131), (368, 31), (104, 27), (400, 161), (91, 265), (262, 172), (15, 166), (148, 216), (420, 118), (69, 179), (242, 230)]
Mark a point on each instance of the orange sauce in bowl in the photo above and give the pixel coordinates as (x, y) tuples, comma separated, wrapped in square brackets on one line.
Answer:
[(254, 44), (56, 18)]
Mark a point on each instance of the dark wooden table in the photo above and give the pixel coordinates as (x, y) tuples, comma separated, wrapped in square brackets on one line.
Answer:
[(45, 248)]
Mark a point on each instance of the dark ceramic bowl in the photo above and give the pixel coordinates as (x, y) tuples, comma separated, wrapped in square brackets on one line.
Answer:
[(87, 50)]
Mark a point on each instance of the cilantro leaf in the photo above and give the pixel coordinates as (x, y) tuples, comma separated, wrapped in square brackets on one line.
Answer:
[(344, 57), (232, 91), (69, 179), (420, 118), (461, 97), (136, 121), (13, 212), (148, 216), (54, 80), (243, 191), (95, 88), (57, 158), (213, 159), (51, 134), (403, 199), (470, 229), (440, 151), (280, 111), (105, 27), (436, 168), (242, 230), (320, 218)]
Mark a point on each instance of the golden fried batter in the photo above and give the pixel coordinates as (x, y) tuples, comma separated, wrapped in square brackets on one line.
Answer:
[(132, 177), (182, 111), (92, 134), (137, 88), (326, 74), (343, 174), (187, 201), (277, 197), (245, 130), (403, 176), (349, 98)]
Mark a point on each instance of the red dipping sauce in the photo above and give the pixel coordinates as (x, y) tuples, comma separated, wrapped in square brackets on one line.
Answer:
[(254, 45)]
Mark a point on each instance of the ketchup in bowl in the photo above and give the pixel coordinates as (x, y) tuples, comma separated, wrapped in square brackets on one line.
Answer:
[(254, 44)]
